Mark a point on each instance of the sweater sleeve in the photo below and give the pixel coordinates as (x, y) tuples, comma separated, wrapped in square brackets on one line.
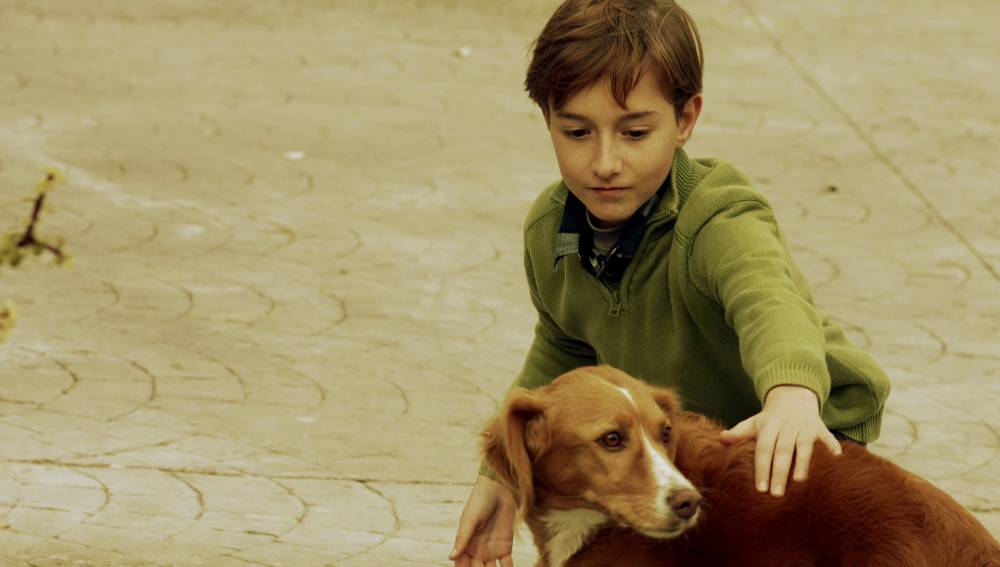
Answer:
[(739, 259), (552, 352)]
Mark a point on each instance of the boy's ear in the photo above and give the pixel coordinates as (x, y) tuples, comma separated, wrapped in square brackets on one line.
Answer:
[(515, 437), (667, 399), (688, 118)]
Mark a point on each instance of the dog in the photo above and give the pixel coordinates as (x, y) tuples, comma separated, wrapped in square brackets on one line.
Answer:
[(609, 471)]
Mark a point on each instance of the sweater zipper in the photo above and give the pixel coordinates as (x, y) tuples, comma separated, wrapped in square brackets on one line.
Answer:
[(616, 300), (616, 303)]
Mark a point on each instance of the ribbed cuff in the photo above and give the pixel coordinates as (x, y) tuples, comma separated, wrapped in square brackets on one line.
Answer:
[(867, 431), (803, 374)]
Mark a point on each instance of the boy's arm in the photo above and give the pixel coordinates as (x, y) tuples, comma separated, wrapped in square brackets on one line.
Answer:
[(551, 354), (740, 260)]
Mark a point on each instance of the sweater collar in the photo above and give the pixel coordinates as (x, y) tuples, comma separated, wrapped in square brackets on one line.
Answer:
[(683, 178)]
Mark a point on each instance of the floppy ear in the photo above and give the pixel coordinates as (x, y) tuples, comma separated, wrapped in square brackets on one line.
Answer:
[(667, 399), (512, 438)]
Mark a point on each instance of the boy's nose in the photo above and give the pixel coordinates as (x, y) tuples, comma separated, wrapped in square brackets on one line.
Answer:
[(606, 162)]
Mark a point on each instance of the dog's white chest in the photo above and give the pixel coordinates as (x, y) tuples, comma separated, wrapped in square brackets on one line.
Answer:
[(569, 530)]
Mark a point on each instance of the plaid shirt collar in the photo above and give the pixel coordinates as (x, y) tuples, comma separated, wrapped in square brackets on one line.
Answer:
[(576, 236)]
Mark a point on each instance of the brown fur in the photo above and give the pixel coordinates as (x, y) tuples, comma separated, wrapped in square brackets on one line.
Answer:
[(856, 509)]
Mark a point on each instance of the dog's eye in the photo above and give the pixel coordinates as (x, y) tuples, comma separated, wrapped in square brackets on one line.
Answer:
[(613, 440), (665, 434)]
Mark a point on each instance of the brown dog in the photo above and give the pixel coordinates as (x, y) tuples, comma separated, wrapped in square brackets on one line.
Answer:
[(610, 471)]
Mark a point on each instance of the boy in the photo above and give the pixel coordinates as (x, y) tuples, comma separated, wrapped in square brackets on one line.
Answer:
[(670, 268)]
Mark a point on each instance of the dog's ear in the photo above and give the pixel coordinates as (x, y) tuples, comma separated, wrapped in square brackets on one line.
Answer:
[(667, 400), (510, 441)]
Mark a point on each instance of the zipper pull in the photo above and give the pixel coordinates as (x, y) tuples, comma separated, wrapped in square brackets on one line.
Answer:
[(607, 260), (616, 304)]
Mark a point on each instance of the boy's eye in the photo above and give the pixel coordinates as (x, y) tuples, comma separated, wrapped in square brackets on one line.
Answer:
[(636, 134), (575, 133)]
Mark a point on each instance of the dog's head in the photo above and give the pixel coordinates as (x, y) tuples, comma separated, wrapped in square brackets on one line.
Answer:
[(598, 439)]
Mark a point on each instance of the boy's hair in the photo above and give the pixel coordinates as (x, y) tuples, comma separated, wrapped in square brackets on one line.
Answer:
[(587, 40)]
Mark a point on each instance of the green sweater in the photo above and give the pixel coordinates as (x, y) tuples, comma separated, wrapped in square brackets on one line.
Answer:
[(712, 304)]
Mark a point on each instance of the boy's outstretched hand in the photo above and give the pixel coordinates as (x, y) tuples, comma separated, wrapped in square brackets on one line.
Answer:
[(486, 528), (787, 427)]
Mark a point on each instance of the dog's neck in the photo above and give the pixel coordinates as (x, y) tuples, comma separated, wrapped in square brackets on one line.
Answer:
[(564, 532)]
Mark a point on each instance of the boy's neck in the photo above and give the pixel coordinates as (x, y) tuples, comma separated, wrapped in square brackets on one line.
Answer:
[(597, 225)]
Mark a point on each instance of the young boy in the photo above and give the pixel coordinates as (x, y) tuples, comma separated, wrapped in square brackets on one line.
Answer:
[(670, 268)]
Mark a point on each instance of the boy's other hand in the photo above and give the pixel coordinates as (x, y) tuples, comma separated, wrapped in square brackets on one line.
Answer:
[(786, 429), (486, 528)]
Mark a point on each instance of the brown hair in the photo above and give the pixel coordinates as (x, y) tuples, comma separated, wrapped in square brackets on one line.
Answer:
[(587, 40)]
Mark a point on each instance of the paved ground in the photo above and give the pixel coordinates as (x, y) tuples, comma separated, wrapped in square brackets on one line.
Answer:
[(262, 360)]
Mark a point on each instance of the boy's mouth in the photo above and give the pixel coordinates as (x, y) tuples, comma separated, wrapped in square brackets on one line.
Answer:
[(613, 193)]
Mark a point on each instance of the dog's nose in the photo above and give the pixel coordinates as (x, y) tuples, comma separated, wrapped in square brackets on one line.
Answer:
[(684, 502)]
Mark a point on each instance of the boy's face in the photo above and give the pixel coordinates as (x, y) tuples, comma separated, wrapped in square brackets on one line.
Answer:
[(612, 158)]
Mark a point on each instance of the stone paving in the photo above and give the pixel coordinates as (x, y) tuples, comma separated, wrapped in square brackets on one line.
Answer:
[(297, 294)]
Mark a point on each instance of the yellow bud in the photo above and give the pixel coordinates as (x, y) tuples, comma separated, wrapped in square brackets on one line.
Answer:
[(8, 318), (53, 175)]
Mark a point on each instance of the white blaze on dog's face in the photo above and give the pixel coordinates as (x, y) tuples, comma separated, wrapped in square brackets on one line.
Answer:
[(609, 445)]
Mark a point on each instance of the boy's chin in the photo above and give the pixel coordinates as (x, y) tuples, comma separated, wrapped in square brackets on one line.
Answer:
[(609, 219)]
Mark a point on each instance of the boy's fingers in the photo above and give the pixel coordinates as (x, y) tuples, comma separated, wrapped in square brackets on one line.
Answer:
[(507, 561), (803, 454), (832, 443), (461, 541), (764, 454), (740, 431), (784, 449)]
